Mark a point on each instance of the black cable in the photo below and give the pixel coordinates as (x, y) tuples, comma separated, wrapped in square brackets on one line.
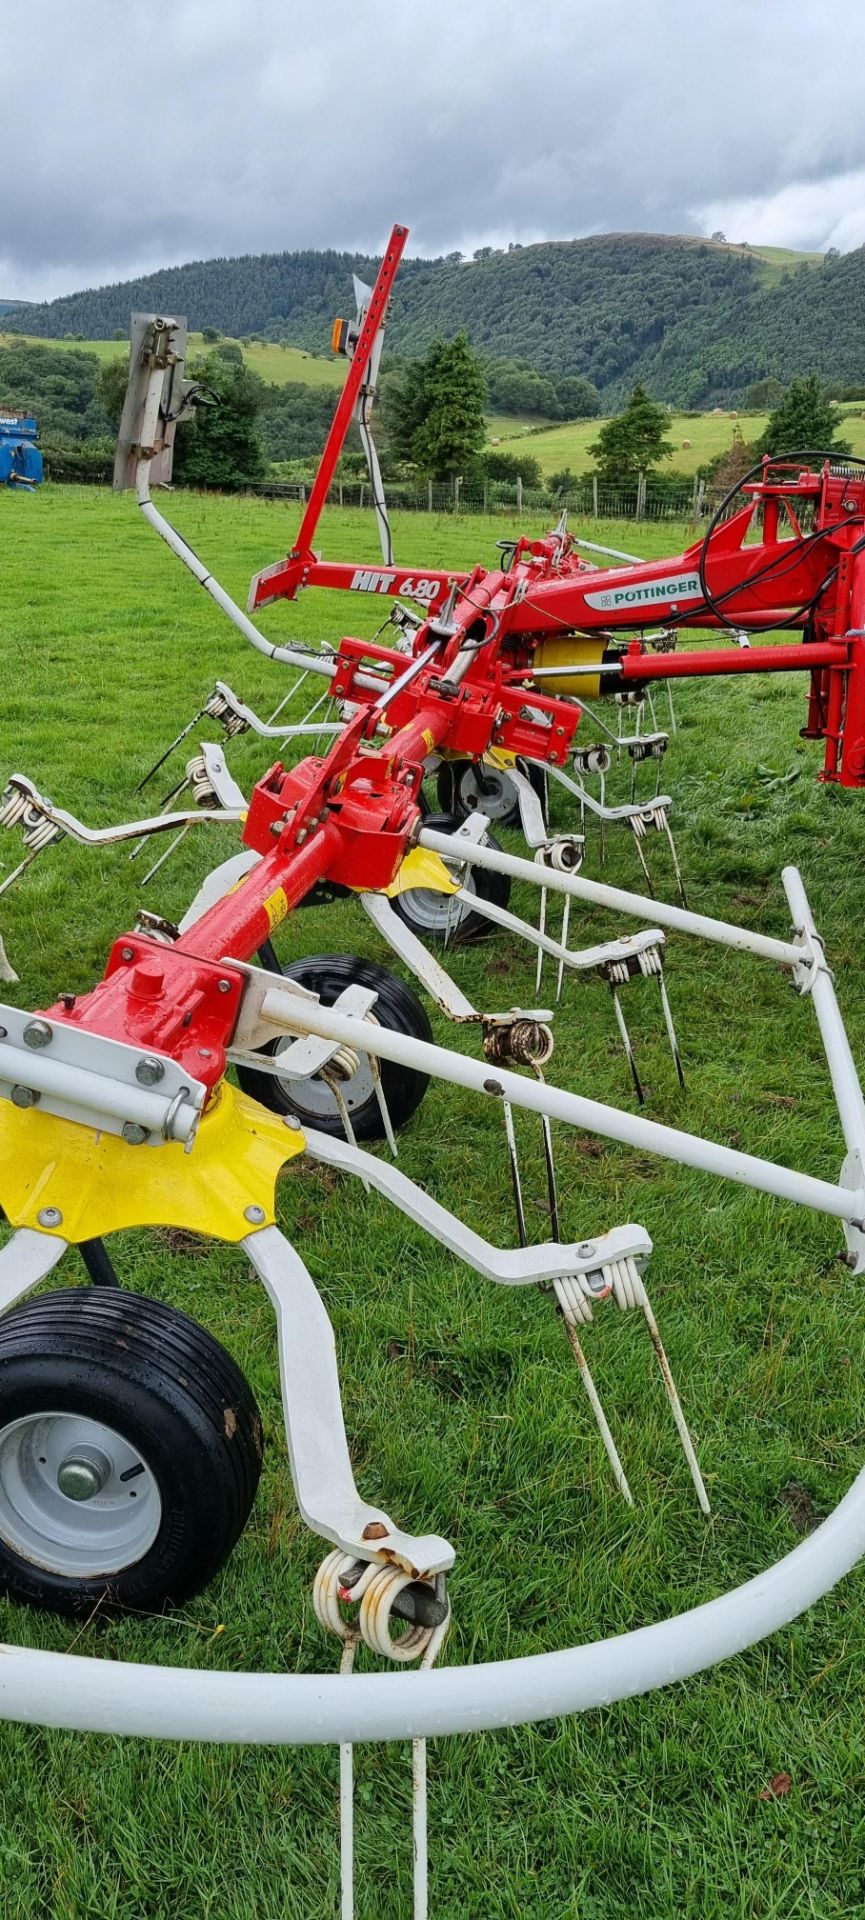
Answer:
[(760, 467)]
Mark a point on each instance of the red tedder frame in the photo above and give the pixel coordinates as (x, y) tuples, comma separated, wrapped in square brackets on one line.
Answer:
[(468, 684)]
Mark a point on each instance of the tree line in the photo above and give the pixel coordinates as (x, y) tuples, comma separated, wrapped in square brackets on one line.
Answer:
[(432, 421), (696, 322)]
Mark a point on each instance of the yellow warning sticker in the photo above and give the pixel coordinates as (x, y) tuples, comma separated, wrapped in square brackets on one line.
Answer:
[(429, 739), (276, 907)]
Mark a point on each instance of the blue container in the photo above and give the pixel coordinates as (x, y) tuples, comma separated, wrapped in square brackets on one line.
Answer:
[(20, 459)]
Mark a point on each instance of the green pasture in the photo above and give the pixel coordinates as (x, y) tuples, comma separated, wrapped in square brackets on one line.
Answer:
[(274, 363), (464, 1411)]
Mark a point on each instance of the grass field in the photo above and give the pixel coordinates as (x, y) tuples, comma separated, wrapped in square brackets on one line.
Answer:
[(566, 444), (462, 1405), (277, 364)]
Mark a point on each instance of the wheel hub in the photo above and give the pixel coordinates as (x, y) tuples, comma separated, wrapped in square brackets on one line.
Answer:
[(76, 1497), (83, 1473)]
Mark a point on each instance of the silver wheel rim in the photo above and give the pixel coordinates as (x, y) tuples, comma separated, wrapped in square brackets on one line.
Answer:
[(498, 803), (315, 1097), (109, 1514), (440, 913)]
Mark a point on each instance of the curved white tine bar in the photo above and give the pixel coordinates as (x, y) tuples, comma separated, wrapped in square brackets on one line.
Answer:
[(724, 933), (613, 1123), (171, 1703)]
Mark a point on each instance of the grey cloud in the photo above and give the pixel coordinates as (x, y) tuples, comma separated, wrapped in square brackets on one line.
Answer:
[(248, 129)]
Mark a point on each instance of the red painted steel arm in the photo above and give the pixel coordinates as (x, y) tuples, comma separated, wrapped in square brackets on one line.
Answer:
[(280, 581)]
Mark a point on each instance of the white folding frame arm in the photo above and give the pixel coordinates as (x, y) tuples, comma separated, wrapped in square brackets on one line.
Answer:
[(844, 1202), (148, 439), (321, 1470), (25, 1260), (509, 1266)]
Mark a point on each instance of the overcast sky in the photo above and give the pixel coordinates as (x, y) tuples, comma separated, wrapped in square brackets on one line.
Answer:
[(253, 125)]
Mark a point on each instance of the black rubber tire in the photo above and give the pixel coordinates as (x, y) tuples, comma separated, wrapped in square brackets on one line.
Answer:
[(449, 780), (471, 926), (397, 1007), (167, 1387)]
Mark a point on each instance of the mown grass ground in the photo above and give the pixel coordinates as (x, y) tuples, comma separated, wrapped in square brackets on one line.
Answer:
[(461, 1400)]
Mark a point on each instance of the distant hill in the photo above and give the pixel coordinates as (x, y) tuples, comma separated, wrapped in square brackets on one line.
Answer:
[(696, 319)]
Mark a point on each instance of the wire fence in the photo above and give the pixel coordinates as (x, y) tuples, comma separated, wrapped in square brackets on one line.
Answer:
[(639, 501), (642, 500)]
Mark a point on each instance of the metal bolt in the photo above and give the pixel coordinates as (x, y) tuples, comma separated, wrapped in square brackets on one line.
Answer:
[(133, 1134), (25, 1097), (255, 1216), (149, 1072), (291, 1120), (586, 1249), (38, 1034), (50, 1217), (223, 986), (126, 953)]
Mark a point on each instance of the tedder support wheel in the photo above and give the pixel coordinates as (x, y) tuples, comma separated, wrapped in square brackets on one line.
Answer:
[(130, 1452), (465, 787), (397, 1007), (438, 916)]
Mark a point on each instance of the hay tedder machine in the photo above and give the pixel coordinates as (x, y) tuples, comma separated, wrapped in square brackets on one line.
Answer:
[(130, 1443)]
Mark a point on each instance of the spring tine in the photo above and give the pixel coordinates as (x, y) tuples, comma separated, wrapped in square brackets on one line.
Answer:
[(671, 1031), (602, 835), (676, 1406), (552, 1191), (673, 728), (420, 1871), (610, 1447), (651, 705), (542, 924), (17, 871), (626, 1042), (166, 855), (288, 696), (346, 1805), (169, 751), (515, 1173), (313, 709), (637, 829), (566, 915), (677, 869), (164, 807), (382, 1105)]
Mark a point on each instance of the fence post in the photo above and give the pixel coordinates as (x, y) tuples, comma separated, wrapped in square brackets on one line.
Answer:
[(595, 496), (701, 491), (486, 496), (456, 494), (641, 496), (429, 496), (519, 493), (340, 493), (360, 502)]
